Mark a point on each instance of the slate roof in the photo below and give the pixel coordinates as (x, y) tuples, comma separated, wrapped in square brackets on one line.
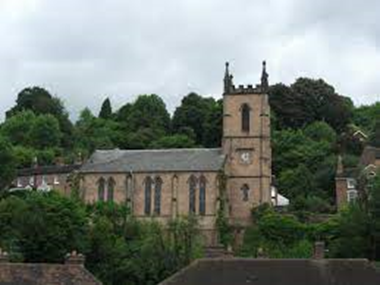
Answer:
[(113, 161), (50, 169), (45, 274), (237, 271)]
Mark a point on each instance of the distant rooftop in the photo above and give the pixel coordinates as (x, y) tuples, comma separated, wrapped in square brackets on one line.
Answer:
[(240, 271)]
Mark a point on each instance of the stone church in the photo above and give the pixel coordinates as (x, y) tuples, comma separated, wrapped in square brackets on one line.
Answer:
[(165, 184)]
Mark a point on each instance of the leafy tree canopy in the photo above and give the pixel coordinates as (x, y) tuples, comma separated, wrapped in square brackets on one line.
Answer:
[(106, 109)]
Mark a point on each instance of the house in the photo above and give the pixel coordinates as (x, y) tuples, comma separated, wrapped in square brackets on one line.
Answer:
[(262, 271), (46, 178), (346, 180), (72, 272)]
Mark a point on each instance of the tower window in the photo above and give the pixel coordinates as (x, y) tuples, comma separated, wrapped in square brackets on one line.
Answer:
[(245, 117), (245, 192), (148, 195), (157, 195)]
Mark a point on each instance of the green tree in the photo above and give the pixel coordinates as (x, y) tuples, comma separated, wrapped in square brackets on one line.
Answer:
[(319, 100), (296, 182), (365, 116), (18, 128), (45, 132), (213, 126), (353, 234), (374, 215), (276, 235), (321, 131), (173, 141), (149, 111), (45, 226), (193, 113), (41, 102), (106, 109), (95, 133), (287, 107), (308, 100), (7, 165), (375, 136)]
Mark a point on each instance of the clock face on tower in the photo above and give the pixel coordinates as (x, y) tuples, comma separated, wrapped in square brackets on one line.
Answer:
[(245, 157)]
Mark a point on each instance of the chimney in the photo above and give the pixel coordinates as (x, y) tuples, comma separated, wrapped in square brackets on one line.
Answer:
[(319, 250), (59, 161), (339, 167), (75, 258), (4, 258)]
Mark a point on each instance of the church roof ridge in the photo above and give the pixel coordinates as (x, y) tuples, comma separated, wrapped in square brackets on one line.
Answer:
[(158, 150), (150, 160)]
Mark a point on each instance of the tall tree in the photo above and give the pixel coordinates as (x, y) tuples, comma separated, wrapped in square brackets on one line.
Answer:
[(149, 111), (192, 113), (308, 100), (375, 136), (40, 101), (106, 109), (7, 163), (213, 126), (95, 133), (374, 215)]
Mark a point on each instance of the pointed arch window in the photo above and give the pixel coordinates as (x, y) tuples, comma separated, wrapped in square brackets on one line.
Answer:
[(202, 196), (110, 189), (157, 195), (245, 117), (192, 192), (101, 189), (245, 192), (148, 195)]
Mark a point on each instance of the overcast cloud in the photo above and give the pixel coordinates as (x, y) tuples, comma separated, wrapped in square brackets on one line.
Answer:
[(85, 50)]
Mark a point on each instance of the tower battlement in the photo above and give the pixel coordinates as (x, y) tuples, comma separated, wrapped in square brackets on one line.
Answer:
[(231, 89)]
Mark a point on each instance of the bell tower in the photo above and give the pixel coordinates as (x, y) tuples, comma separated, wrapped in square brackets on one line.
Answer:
[(246, 144)]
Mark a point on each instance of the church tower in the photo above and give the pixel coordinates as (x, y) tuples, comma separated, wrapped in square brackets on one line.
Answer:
[(247, 146)]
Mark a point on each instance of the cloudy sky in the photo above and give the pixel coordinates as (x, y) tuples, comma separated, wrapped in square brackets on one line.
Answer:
[(85, 50)]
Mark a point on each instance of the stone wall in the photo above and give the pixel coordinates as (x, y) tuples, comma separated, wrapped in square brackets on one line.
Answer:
[(130, 188)]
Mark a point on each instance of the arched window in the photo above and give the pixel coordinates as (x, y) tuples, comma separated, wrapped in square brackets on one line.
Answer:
[(245, 117), (245, 192), (192, 190), (202, 196), (148, 195), (128, 188), (157, 195), (110, 189), (101, 188)]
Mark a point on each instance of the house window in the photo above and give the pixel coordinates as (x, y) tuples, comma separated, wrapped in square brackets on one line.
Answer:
[(148, 195), (245, 117), (202, 196), (192, 190), (101, 188), (31, 181), (110, 189), (352, 196), (157, 195), (351, 183), (245, 192), (19, 183), (56, 180)]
